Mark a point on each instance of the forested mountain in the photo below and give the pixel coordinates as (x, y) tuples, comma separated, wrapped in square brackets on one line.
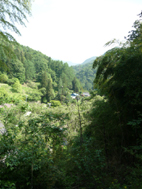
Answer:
[(85, 73), (55, 78)]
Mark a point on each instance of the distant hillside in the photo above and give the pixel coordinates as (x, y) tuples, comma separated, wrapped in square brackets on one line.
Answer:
[(56, 79), (89, 60), (85, 73)]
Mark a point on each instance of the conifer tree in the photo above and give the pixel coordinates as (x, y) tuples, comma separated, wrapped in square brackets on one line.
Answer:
[(76, 85), (11, 13), (44, 80), (49, 90), (60, 89)]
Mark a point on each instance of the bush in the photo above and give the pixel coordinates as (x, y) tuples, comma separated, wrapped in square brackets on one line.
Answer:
[(7, 184), (11, 81), (3, 78), (68, 98), (16, 98), (3, 95), (32, 84), (34, 96), (17, 87), (55, 103), (43, 91)]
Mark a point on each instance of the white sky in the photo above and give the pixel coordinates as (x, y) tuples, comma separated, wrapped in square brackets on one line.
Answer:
[(74, 30)]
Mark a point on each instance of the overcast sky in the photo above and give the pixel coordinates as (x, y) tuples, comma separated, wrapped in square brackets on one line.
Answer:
[(74, 30)]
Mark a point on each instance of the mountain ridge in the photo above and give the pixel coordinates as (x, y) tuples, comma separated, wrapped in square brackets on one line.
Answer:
[(89, 60), (70, 63)]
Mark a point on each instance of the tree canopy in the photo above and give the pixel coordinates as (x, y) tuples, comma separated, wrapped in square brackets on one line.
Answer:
[(12, 12)]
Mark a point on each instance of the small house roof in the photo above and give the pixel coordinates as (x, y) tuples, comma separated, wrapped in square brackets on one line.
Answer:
[(86, 93)]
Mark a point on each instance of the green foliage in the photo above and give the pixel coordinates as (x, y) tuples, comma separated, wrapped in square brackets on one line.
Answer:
[(55, 103), (89, 143), (6, 96), (31, 67), (31, 148), (44, 79), (68, 98), (30, 70), (3, 78), (49, 90), (85, 73), (11, 81), (11, 13), (32, 84), (87, 165), (60, 89), (43, 91), (17, 86), (34, 95), (7, 184), (3, 95), (116, 185), (17, 70), (76, 85), (116, 120)]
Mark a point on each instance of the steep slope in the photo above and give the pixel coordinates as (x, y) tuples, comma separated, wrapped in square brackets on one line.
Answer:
[(85, 73), (55, 77)]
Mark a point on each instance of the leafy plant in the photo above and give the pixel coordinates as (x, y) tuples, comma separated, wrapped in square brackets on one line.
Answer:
[(55, 103)]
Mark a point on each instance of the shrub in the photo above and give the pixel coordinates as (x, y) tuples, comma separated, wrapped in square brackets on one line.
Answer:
[(34, 95), (17, 87), (32, 84), (3, 95), (3, 78), (55, 103), (16, 98), (11, 81)]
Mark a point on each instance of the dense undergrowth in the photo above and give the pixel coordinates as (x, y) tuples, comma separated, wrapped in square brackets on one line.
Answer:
[(36, 146)]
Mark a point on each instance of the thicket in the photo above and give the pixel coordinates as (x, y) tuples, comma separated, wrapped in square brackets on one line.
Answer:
[(34, 145)]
